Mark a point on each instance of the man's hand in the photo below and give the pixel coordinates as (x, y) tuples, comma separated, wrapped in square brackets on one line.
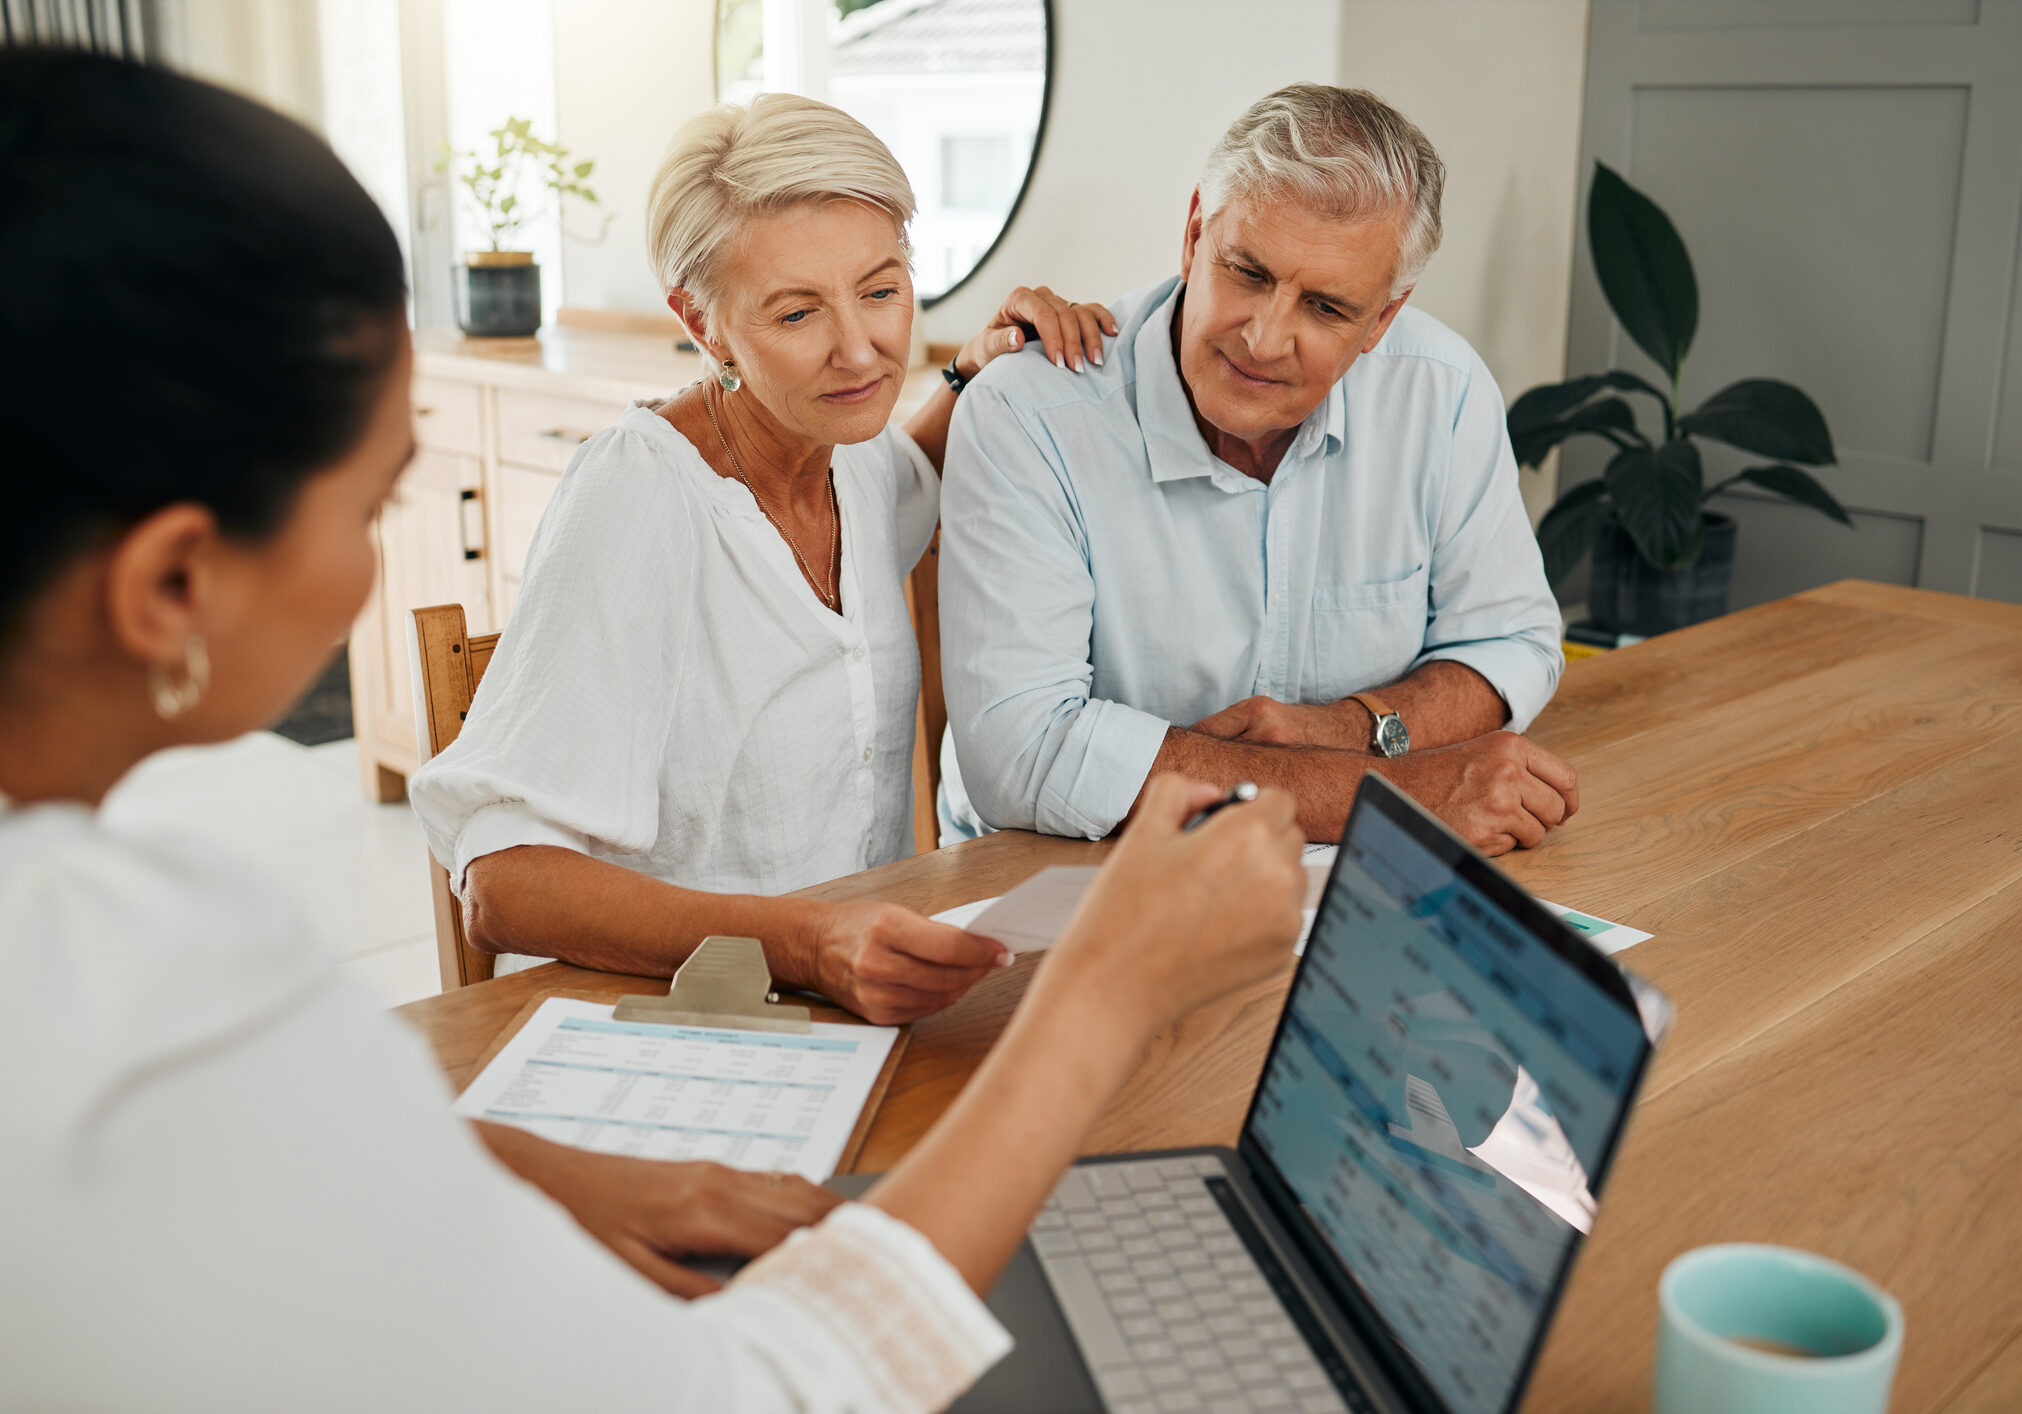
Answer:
[(651, 1213), (889, 965), (1340, 726), (1498, 792)]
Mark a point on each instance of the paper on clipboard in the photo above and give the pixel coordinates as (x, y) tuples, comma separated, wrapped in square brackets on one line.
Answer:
[(750, 1099)]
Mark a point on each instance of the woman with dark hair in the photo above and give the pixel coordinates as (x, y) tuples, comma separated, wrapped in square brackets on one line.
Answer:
[(231, 1181)]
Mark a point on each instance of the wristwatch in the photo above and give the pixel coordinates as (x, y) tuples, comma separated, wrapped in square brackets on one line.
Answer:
[(954, 378), (1390, 737)]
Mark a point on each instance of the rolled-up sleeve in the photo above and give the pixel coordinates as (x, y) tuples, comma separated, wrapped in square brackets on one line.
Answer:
[(1017, 610), (570, 722), (1491, 605)]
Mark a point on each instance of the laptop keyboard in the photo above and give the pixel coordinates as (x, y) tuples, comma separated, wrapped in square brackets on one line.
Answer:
[(1172, 1313)]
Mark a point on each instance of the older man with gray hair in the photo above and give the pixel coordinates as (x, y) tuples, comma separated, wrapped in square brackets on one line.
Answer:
[(1276, 536)]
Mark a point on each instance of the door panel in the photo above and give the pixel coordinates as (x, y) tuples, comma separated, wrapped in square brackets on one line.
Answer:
[(1848, 179)]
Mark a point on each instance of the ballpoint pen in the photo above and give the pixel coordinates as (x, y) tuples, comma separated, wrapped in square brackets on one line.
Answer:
[(1243, 793)]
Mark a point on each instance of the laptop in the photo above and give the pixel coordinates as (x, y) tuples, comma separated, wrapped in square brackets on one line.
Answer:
[(1448, 1083)]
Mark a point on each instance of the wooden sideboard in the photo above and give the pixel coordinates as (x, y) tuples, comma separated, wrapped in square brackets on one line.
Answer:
[(497, 421)]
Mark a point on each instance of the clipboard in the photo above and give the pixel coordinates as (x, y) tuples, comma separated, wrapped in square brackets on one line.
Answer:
[(731, 990)]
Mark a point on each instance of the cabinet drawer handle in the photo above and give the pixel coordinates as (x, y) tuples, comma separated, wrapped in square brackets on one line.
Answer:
[(563, 434), (424, 412), (470, 516)]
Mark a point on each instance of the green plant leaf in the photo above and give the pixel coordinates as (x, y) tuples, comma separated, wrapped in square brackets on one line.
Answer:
[(1656, 495), (1643, 269), (583, 169), (1567, 532), (1609, 415), (1794, 485), (1546, 404), (1766, 417)]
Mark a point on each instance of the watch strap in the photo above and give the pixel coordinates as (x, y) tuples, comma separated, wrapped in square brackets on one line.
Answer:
[(1375, 704), (953, 376)]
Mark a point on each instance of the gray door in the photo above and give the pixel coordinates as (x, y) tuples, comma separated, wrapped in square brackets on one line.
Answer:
[(1847, 175)]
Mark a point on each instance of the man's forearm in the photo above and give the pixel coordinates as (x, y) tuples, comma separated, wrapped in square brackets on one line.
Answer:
[(1323, 781), (1441, 703)]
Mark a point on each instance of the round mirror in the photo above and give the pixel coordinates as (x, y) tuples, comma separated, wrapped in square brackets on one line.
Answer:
[(955, 88)]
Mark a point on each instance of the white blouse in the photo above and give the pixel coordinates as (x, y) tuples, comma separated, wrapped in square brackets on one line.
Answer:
[(229, 1181), (670, 695)]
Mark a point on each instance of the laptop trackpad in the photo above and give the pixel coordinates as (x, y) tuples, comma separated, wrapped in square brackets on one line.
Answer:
[(1044, 1371)]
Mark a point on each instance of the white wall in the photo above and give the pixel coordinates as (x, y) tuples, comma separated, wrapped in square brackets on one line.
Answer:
[(1141, 90), (627, 74), (1496, 85)]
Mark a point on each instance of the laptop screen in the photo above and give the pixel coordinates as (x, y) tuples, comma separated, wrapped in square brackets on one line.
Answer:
[(1445, 1087)]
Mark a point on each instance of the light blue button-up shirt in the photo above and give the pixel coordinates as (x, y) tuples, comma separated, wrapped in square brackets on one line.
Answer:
[(1105, 576)]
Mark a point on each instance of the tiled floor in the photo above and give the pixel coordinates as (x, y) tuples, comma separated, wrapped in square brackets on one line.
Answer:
[(295, 815)]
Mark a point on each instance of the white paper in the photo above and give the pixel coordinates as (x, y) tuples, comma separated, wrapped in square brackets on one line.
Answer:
[(1032, 915), (760, 1100), (1608, 937), (1032, 918), (963, 914)]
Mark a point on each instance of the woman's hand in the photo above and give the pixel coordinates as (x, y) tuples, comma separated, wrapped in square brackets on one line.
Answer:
[(889, 965), (651, 1213), (1176, 918), (1180, 917), (1070, 332)]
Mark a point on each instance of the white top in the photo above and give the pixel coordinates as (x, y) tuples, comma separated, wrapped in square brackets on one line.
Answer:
[(669, 694), (228, 1181)]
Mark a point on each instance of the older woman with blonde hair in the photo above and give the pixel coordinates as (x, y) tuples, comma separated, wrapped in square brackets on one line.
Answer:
[(706, 695)]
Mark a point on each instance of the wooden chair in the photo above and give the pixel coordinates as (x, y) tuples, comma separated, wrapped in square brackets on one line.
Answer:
[(447, 665), (923, 598)]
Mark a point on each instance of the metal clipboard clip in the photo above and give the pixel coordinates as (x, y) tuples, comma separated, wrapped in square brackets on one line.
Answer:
[(724, 983)]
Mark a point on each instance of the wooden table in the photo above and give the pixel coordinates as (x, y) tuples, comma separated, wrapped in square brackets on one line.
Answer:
[(1816, 806)]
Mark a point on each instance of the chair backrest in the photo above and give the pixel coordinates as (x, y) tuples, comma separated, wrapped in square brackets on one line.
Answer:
[(923, 597), (447, 666)]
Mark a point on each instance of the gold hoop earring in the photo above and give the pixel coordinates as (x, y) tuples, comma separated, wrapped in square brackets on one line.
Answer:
[(729, 380), (171, 698)]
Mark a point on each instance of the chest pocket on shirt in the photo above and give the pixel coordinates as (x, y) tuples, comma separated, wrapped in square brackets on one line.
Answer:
[(1366, 634)]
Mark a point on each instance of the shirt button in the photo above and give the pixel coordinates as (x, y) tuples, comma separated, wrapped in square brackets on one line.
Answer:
[(867, 753), (1279, 597), (861, 653)]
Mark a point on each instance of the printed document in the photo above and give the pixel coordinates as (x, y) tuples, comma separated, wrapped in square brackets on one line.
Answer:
[(1032, 915), (761, 1100)]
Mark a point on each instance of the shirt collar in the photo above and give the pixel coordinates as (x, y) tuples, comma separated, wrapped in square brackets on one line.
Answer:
[(1172, 443)]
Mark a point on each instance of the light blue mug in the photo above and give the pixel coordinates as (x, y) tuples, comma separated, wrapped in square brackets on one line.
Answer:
[(1752, 1329)]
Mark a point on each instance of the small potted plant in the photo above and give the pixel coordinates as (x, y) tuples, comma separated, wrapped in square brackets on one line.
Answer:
[(1661, 559), (498, 291)]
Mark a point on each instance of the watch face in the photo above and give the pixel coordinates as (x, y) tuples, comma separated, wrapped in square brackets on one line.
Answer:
[(1391, 737)]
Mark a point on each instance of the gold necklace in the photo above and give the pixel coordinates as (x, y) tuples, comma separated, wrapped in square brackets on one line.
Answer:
[(831, 598)]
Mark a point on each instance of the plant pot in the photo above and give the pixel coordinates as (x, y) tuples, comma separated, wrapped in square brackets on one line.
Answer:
[(498, 294), (1627, 594)]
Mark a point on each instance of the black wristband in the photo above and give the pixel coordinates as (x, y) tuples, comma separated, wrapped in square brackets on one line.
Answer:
[(955, 380)]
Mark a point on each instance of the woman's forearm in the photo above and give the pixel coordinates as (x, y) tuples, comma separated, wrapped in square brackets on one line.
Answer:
[(545, 901), (974, 1183), (929, 425)]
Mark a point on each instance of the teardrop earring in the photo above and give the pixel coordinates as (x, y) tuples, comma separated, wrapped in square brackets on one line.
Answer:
[(729, 380)]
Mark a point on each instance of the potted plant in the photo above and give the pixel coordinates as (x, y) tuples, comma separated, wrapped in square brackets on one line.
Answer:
[(498, 291), (1661, 559)]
